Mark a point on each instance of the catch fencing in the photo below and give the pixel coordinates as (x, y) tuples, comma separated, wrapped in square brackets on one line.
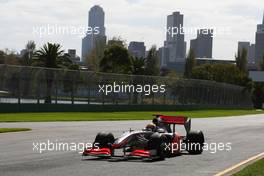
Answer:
[(34, 85)]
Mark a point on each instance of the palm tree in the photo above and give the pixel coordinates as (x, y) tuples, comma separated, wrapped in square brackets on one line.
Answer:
[(30, 49), (50, 55)]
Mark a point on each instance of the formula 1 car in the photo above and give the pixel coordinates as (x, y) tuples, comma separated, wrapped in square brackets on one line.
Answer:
[(157, 141)]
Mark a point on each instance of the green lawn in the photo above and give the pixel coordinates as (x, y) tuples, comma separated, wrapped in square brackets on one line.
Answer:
[(104, 116), (8, 130), (256, 169)]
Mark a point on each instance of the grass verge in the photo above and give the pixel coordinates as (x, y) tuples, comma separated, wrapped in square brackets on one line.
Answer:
[(9, 130), (112, 116), (256, 169)]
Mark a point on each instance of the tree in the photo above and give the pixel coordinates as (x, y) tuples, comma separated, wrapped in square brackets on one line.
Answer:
[(258, 92), (94, 58), (226, 73), (30, 50), (92, 61), (190, 64), (66, 62), (172, 74), (117, 41), (138, 66), (2, 57), (9, 57), (262, 64), (49, 56), (258, 95), (152, 62), (116, 59), (241, 60)]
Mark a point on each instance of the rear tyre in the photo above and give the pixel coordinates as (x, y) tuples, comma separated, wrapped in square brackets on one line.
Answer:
[(195, 142)]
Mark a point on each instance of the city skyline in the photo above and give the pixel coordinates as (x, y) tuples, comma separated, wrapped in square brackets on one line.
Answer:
[(95, 36), (139, 26)]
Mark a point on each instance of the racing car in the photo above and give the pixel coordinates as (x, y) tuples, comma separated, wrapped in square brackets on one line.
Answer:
[(157, 141)]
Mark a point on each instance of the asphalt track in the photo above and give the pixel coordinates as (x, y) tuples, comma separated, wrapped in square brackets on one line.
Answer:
[(17, 158)]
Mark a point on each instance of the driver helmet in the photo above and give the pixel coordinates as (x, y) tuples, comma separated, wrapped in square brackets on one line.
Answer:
[(156, 121), (151, 127)]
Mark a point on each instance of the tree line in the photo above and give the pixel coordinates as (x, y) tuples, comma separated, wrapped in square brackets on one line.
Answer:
[(236, 74), (114, 57)]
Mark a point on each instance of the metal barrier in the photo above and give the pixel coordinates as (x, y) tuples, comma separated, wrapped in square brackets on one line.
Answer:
[(34, 85)]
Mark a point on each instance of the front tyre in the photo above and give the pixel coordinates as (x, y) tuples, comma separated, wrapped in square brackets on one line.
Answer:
[(156, 142), (104, 140)]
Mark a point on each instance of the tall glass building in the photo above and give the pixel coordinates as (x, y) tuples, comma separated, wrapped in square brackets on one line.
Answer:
[(96, 38), (172, 54), (203, 44), (259, 47), (175, 38)]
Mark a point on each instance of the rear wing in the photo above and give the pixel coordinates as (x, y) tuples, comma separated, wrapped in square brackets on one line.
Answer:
[(175, 120)]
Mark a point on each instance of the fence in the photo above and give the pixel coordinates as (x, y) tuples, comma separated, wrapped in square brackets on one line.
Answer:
[(31, 85)]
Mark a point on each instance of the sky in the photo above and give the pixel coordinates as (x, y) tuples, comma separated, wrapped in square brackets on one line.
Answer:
[(132, 20)]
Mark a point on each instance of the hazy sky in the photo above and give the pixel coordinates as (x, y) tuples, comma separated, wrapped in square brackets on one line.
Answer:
[(137, 20)]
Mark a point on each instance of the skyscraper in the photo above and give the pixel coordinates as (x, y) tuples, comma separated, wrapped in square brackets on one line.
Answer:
[(74, 58), (175, 37), (97, 19), (203, 44), (250, 49), (244, 45), (97, 37), (251, 54), (137, 49), (259, 47), (174, 51)]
